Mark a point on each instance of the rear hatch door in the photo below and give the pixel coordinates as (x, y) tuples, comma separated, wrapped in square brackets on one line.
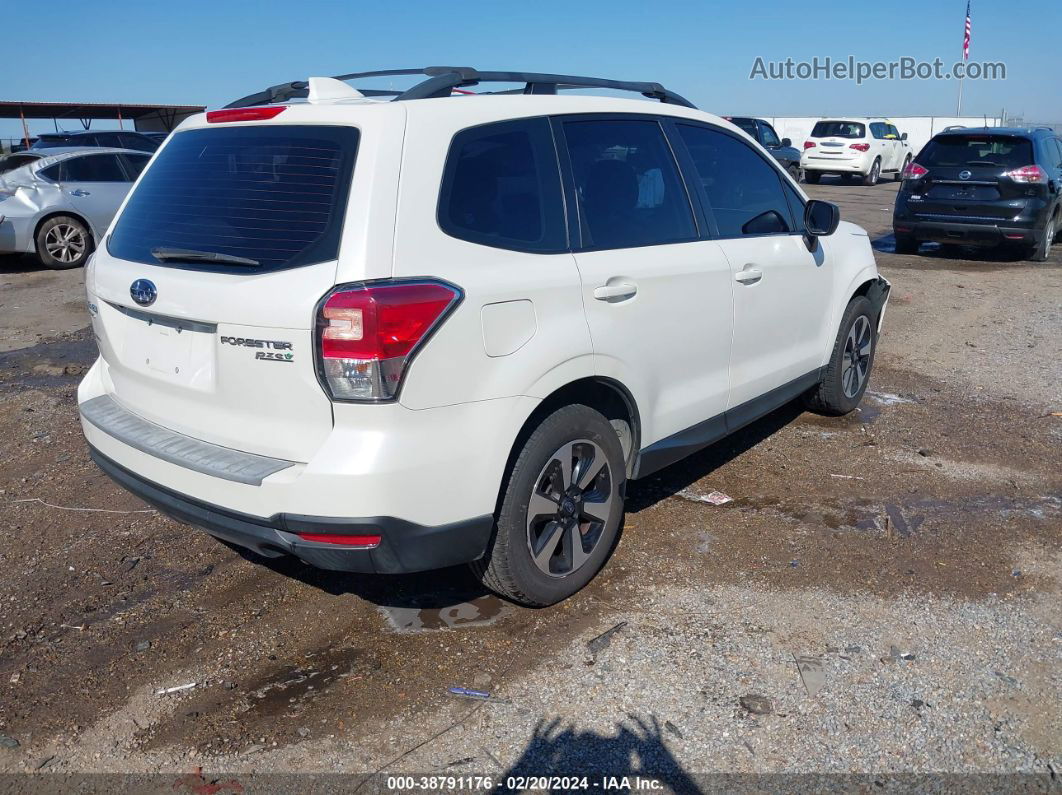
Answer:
[(206, 291), (967, 178)]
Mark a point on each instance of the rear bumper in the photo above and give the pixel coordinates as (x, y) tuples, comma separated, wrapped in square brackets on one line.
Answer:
[(404, 546), (825, 165), (969, 234)]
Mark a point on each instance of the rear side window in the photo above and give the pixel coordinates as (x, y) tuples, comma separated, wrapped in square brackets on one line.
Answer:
[(746, 125), (743, 190), (770, 137), (501, 187), (838, 129), (134, 164), (878, 129), (628, 186), (91, 168), (977, 150), (11, 162), (273, 194)]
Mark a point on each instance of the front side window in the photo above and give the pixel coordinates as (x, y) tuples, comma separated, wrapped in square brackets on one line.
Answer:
[(628, 186), (501, 187), (743, 190), (890, 129), (91, 168), (838, 129), (272, 194)]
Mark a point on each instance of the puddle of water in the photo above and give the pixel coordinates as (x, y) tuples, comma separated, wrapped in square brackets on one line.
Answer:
[(287, 687), (481, 611), (888, 399)]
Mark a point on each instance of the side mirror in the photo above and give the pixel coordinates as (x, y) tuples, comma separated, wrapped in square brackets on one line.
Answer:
[(786, 142), (903, 136), (821, 218)]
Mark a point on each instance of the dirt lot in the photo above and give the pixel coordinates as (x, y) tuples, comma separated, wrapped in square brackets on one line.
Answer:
[(911, 551)]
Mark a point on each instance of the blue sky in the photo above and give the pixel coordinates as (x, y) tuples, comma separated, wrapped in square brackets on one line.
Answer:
[(200, 52)]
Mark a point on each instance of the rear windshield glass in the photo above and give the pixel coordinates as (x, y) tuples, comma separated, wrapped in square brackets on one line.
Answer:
[(977, 150), (52, 142), (838, 129), (272, 194)]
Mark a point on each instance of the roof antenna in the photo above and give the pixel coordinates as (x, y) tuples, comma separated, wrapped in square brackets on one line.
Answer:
[(328, 89)]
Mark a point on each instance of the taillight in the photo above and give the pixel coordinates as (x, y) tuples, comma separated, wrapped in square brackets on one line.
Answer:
[(367, 333), (809, 144), (914, 171), (244, 114), (860, 147), (1029, 175)]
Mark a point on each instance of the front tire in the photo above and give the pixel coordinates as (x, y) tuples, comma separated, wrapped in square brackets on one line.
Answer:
[(898, 176), (848, 371), (63, 242), (560, 512)]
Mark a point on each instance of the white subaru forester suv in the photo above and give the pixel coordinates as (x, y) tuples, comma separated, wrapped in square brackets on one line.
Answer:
[(391, 334)]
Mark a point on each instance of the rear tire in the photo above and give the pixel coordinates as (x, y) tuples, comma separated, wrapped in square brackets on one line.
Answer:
[(812, 177), (63, 242), (905, 244), (848, 371), (1042, 251), (872, 176), (564, 499), (794, 172)]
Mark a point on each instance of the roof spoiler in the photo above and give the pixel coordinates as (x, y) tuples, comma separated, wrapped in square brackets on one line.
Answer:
[(442, 80)]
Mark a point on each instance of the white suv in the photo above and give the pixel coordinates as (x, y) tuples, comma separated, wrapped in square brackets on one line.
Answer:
[(396, 335), (863, 148)]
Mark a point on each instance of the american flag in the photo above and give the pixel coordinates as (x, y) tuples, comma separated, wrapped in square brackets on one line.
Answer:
[(966, 35)]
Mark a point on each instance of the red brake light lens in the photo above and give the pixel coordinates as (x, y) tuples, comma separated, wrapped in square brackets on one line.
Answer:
[(1028, 175), (809, 144), (914, 171), (860, 147), (244, 114), (366, 334)]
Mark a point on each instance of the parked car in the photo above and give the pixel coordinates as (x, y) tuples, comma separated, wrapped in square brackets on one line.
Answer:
[(984, 187), (157, 136), (781, 149), (863, 148), (114, 139), (461, 349), (59, 205)]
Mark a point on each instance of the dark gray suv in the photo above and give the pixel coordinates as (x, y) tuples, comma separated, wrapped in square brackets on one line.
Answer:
[(984, 187)]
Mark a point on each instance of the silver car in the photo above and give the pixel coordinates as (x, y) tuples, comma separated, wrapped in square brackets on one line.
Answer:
[(58, 205)]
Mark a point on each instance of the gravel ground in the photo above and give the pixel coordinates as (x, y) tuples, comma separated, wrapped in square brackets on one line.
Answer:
[(909, 553)]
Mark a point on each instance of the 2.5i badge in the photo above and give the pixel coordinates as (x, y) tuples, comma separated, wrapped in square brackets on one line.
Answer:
[(277, 350)]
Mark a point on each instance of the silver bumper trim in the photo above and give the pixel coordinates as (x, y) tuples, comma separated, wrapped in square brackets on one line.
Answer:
[(147, 437)]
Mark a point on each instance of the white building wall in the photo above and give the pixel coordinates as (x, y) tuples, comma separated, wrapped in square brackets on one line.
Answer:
[(919, 129)]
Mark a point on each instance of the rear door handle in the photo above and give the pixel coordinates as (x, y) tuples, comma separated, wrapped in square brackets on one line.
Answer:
[(748, 275), (609, 292)]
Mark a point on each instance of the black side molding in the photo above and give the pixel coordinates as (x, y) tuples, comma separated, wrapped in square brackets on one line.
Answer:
[(684, 443)]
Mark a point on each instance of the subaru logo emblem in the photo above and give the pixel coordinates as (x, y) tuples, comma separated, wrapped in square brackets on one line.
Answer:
[(143, 292), (965, 175)]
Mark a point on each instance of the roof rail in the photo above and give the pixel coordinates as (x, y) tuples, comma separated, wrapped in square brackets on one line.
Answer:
[(441, 80)]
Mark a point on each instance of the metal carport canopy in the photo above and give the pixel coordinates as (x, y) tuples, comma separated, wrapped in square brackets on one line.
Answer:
[(168, 116)]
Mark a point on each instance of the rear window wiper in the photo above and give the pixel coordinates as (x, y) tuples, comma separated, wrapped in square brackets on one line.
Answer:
[(190, 255)]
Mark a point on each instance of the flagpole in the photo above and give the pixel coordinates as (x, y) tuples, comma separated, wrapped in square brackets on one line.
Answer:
[(965, 56)]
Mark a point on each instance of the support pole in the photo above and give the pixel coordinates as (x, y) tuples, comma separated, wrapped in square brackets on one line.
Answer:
[(25, 129)]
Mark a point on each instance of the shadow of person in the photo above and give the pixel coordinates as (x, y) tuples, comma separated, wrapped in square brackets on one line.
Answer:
[(636, 750)]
